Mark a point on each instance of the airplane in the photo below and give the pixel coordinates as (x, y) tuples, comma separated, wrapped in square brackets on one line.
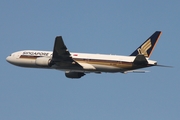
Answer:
[(76, 65)]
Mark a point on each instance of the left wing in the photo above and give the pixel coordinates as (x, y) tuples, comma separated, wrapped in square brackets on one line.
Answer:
[(61, 56)]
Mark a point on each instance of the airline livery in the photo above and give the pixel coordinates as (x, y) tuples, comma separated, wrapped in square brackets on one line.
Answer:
[(76, 65)]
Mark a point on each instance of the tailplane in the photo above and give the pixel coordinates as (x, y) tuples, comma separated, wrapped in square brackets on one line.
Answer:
[(148, 46)]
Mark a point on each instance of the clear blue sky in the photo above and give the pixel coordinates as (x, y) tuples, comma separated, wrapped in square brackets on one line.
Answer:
[(99, 26)]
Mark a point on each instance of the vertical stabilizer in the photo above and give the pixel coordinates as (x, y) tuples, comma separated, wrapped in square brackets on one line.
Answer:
[(148, 46)]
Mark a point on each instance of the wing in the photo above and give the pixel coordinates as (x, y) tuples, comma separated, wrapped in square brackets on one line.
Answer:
[(61, 56)]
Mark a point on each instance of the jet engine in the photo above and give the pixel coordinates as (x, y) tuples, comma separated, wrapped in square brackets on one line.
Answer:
[(43, 61), (74, 74)]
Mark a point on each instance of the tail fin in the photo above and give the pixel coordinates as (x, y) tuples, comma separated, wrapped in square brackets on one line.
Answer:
[(147, 47)]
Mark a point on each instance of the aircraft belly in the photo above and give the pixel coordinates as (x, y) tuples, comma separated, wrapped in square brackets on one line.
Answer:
[(87, 66), (94, 68), (104, 68), (91, 68)]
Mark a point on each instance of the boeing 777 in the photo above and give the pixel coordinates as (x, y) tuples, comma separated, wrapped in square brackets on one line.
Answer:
[(76, 65)]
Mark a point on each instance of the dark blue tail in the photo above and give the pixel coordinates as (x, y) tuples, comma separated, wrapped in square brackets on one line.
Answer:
[(147, 47)]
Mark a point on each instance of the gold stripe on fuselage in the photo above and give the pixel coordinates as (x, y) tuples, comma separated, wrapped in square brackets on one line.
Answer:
[(118, 64), (28, 57)]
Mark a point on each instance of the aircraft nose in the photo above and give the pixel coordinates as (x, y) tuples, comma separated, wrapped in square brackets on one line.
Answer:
[(9, 59)]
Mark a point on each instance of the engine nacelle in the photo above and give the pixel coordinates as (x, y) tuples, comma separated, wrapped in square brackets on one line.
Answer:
[(42, 61), (74, 74)]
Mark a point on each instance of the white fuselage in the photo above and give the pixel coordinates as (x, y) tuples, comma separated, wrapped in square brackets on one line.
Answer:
[(89, 62)]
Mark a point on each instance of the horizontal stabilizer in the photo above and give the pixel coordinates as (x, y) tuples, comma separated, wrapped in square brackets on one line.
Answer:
[(136, 71), (163, 66), (140, 60)]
